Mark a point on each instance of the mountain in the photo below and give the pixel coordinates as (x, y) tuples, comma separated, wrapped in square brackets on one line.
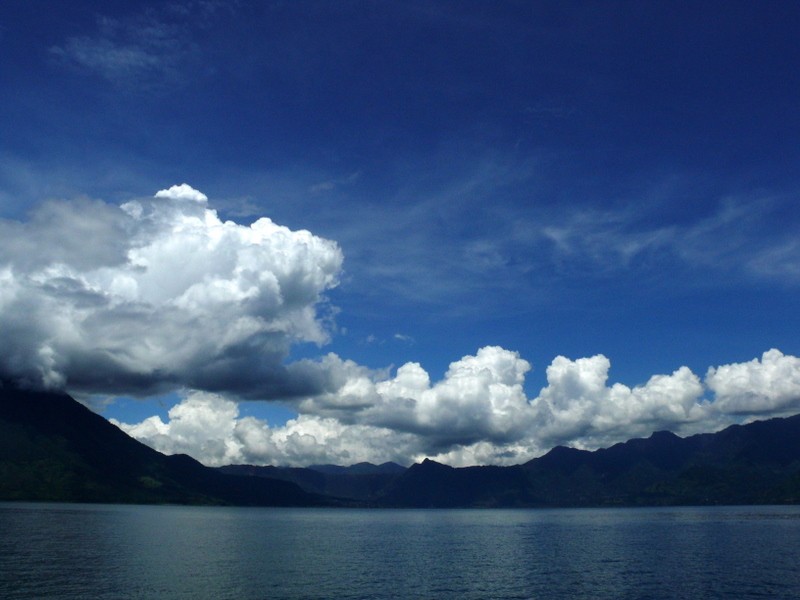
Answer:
[(363, 482), (362, 468), (430, 484), (757, 463), (52, 448)]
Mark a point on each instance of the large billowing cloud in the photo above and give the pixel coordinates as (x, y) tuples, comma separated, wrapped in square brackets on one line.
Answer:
[(157, 294)]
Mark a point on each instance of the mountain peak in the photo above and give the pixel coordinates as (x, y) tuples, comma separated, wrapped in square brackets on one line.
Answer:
[(664, 435), (432, 464)]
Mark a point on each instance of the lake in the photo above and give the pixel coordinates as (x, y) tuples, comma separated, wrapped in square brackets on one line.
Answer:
[(67, 551)]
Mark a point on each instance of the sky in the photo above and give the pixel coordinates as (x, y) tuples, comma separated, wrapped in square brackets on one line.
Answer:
[(304, 232)]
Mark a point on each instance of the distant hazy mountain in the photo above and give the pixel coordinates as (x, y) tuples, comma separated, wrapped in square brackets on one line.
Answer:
[(362, 468), (431, 484), (757, 463), (53, 448), (363, 482)]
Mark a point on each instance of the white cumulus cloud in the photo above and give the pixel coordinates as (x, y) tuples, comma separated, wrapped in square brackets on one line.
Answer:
[(208, 426), (183, 191), (478, 413), (767, 386), (157, 294), (480, 397), (578, 406)]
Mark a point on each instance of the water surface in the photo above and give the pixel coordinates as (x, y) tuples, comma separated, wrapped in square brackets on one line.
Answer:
[(65, 551)]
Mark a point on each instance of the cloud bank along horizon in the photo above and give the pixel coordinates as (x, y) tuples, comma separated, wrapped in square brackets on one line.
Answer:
[(160, 295)]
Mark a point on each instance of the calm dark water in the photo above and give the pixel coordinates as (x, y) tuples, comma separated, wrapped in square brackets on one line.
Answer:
[(117, 552)]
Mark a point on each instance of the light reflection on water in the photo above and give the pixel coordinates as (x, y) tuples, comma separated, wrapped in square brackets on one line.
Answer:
[(108, 552)]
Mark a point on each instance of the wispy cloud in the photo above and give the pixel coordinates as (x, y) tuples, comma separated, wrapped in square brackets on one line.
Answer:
[(149, 50), (468, 241), (732, 240), (331, 184)]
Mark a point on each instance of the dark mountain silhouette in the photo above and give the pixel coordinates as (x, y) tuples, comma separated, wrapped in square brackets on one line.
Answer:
[(363, 482), (431, 484), (53, 448), (757, 463), (362, 468)]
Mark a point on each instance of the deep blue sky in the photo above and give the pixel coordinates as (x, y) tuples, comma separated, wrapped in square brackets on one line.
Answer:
[(556, 178)]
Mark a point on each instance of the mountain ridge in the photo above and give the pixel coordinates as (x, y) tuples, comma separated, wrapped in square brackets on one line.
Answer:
[(52, 448)]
